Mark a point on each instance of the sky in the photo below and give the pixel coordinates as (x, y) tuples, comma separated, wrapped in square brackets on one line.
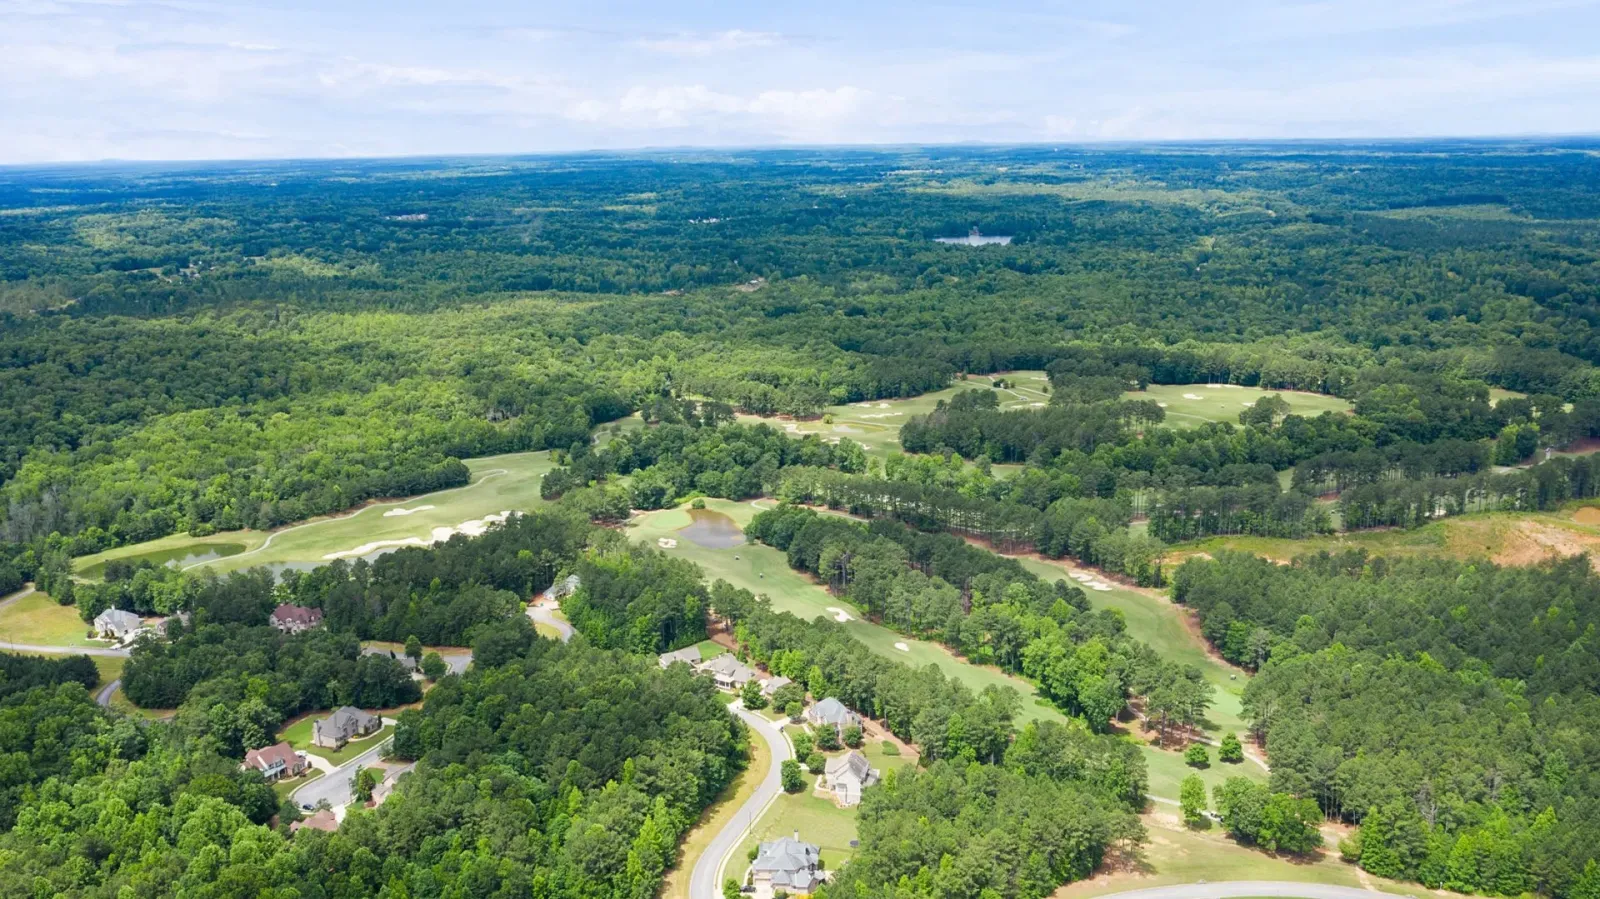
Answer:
[(175, 79)]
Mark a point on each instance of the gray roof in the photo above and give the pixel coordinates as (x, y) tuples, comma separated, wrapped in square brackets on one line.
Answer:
[(729, 666), (789, 861), (118, 618), (688, 654), (774, 684), (349, 719), (832, 711), (852, 764)]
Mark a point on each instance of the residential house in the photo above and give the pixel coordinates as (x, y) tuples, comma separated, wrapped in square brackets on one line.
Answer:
[(728, 672), (773, 684), (832, 713), (183, 618), (117, 624), (323, 820), (564, 587), (275, 761), (405, 661), (786, 864), (293, 619), (689, 655), (846, 775), (345, 724)]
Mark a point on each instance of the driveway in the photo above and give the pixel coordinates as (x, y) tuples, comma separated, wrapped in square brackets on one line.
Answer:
[(1241, 889), (104, 696), (542, 613), (107, 651), (706, 880), (336, 785)]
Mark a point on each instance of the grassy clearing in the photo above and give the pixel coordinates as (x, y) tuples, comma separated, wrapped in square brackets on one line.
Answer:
[(499, 484), (715, 818), (298, 735), (1177, 855), (40, 620), (1189, 405), (876, 424), (1508, 538)]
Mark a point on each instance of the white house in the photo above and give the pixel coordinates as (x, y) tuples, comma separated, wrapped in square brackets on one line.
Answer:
[(847, 775), (117, 624), (728, 671), (689, 655)]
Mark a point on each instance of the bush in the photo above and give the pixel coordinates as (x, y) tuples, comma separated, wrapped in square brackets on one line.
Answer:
[(699, 503), (827, 738), (434, 667), (816, 762), (793, 780), (752, 697), (888, 748), (802, 744), (852, 736), (1197, 755)]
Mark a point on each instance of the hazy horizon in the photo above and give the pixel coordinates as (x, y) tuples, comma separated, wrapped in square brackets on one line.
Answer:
[(178, 80)]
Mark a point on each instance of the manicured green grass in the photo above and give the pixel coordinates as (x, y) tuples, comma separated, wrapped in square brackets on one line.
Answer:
[(816, 819), (1156, 621), (284, 786), (39, 620), (298, 734), (876, 424), (1188, 405), (1166, 771), (499, 484)]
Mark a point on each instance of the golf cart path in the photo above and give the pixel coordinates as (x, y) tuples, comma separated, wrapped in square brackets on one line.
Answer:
[(705, 882)]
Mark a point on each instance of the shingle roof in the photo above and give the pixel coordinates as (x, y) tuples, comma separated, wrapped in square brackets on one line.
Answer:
[(851, 763), (689, 654), (832, 711), (729, 665), (267, 755), (791, 862), (118, 618), (301, 614)]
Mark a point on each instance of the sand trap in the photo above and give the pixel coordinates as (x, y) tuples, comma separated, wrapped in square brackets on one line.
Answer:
[(883, 405), (397, 513), (1162, 405), (1082, 578), (1234, 386), (840, 614), (902, 647), (883, 415), (475, 527), (1193, 396), (666, 543), (1036, 404), (1247, 405), (1103, 588)]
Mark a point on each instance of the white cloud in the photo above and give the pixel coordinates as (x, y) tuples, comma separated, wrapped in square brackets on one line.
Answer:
[(709, 44)]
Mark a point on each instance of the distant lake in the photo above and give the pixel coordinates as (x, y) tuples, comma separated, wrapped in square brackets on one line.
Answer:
[(975, 240)]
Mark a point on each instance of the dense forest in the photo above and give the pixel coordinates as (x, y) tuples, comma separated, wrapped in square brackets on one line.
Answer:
[(206, 348)]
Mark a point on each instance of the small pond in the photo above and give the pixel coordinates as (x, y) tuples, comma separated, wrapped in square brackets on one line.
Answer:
[(713, 530), (175, 557)]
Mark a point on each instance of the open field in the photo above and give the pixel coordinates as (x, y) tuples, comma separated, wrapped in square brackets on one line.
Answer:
[(1189, 405), (298, 733), (876, 424), (1175, 854), (1508, 538), (765, 571), (39, 620), (499, 484)]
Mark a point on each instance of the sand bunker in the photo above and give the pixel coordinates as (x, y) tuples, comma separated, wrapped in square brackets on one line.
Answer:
[(397, 513), (1036, 404), (902, 647), (666, 543), (883, 405), (883, 415), (1247, 405), (1162, 405), (475, 527), (1081, 578), (840, 614), (1103, 588), (1193, 396)]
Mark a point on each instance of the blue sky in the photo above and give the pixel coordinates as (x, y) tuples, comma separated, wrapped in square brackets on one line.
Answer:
[(176, 79)]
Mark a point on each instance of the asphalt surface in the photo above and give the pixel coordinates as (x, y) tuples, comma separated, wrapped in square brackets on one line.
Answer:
[(705, 882), (104, 696), (1241, 889), (336, 787), (545, 616)]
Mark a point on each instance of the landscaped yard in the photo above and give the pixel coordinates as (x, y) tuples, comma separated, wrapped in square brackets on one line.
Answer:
[(40, 620), (817, 820), (298, 733)]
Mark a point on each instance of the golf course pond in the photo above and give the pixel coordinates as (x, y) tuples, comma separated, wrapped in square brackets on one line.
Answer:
[(713, 530), (176, 557)]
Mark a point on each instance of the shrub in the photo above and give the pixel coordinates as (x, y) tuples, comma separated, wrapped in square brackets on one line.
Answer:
[(1197, 755)]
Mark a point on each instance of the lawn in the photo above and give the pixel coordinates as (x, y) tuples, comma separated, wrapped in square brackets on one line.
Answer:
[(499, 484), (876, 424), (1177, 855), (284, 786), (717, 816), (298, 733), (816, 819), (1188, 405), (40, 620), (1166, 769)]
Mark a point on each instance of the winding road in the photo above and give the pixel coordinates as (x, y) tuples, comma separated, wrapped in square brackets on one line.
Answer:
[(1246, 889), (705, 882), (542, 614)]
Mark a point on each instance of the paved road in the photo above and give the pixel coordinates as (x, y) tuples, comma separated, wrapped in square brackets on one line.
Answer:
[(705, 882), (108, 651), (27, 590), (336, 787), (104, 696), (1241, 889), (544, 615)]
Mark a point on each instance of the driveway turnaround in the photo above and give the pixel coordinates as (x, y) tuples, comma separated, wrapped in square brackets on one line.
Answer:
[(706, 880), (1245, 889)]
